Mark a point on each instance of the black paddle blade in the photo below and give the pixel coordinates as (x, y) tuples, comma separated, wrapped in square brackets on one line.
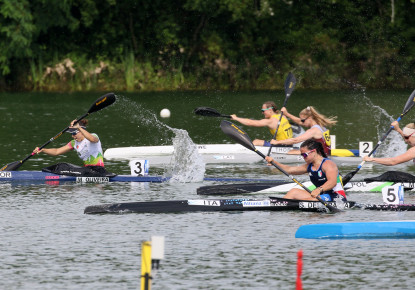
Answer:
[(348, 176), (328, 206), (103, 102), (237, 134), (410, 103), (11, 166), (290, 83), (207, 112)]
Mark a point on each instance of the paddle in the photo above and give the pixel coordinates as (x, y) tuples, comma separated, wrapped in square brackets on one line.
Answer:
[(99, 104), (408, 106), (242, 138), (209, 112), (289, 86)]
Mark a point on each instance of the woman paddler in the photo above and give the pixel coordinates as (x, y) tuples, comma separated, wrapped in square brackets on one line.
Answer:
[(318, 123), (323, 173), (89, 149), (408, 135), (270, 120)]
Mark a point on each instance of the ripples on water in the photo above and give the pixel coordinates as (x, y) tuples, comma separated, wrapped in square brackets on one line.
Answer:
[(48, 243)]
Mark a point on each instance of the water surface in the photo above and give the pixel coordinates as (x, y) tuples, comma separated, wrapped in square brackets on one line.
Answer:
[(48, 243)]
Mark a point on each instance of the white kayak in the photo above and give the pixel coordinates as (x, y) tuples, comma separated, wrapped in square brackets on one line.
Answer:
[(222, 153), (371, 184)]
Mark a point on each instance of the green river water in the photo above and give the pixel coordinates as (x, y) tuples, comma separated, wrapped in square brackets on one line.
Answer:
[(48, 243)]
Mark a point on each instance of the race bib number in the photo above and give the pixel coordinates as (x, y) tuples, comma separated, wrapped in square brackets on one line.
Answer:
[(393, 194), (139, 167), (327, 138), (365, 148)]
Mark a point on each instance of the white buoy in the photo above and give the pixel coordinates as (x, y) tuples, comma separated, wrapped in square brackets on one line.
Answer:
[(165, 113)]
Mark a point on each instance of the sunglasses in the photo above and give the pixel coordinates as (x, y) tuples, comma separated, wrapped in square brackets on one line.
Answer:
[(407, 137), (263, 110), (74, 133), (305, 155), (303, 120)]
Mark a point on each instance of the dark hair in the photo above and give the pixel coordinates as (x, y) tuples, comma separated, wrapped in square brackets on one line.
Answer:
[(83, 122), (271, 104), (313, 144)]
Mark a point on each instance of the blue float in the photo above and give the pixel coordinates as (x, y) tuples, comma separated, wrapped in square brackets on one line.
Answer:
[(359, 230)]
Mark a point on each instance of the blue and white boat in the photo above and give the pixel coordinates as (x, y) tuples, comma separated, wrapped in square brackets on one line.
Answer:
[(31, 177)]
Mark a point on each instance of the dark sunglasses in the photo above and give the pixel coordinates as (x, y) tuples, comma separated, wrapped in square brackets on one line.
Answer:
[(74, 133), (407, 137), (305, 155), (263, 110), (303, 120)]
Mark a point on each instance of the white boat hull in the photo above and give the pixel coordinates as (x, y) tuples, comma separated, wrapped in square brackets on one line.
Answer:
[(214, 153), (352, 186)]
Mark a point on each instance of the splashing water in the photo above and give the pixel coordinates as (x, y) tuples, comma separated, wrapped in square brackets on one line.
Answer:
[(187, 164), (393, 145)]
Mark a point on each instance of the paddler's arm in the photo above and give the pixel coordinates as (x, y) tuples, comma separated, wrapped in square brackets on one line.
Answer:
[(252, 123), (84, 132), (292, 117), (389, 161), (53, 151), (296, 170), (88, 135), (395, 125), (331, 171), (310, 133)]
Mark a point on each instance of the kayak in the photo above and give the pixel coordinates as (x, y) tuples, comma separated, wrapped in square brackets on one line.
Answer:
[(235, 204), (207, 205), (358, 230), (223, 153), (352, 186), (51, 178), (373, 184)]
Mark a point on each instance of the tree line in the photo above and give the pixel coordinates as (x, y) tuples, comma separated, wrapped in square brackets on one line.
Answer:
[(76, 45)]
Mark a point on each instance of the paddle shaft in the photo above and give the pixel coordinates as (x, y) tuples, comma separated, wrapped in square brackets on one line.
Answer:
[(278, 125), (99, 104), (56, 136), (332, 208), (408, 106), (289, 88), (349, 176), (242, 138)]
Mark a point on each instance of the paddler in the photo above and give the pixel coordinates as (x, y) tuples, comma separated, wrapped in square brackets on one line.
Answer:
[(408, 135), (323, 172), (89, 149), (271, 119), (318, 123)]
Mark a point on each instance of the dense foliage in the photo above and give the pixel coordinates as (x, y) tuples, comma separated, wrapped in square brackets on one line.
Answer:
[(199, 44)]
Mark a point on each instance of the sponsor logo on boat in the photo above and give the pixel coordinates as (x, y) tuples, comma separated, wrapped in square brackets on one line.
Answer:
[(207, 202), (92, 179), (280, 203), (5, 174), (201, 146), (282, 149), (255, 203), (52, 177), (224, 157)]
